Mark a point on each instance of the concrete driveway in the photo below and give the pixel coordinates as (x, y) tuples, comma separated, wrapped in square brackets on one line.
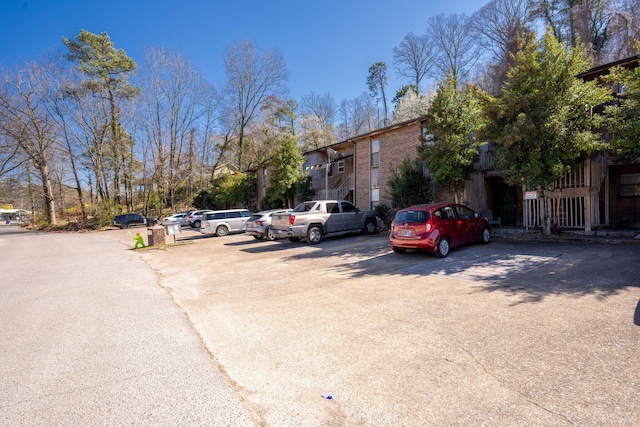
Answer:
[(510, 333)]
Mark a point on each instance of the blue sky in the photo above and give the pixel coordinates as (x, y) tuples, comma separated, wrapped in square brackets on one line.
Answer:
[(328, 45)]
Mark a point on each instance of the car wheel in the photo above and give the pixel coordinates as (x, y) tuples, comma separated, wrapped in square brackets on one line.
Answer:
[(270, 235), (294, 239), (196, 224), (486, 235), (443, 248), (314, 235), (399, 250), (370, 226), (222, 231)]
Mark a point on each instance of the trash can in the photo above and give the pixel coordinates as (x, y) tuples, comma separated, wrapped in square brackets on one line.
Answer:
[(155, 236)]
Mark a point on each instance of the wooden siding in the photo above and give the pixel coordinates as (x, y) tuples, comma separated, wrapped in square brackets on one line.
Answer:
[(575, 198), (624, 211)]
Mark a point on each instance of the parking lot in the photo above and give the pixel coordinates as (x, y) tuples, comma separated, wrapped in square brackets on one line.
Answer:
[(510, 333)]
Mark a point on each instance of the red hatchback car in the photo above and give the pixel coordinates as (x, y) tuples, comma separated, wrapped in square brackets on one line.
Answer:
[(437, 228)]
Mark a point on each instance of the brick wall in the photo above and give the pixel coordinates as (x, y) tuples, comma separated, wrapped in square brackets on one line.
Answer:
[(396, 144), (362, 153)]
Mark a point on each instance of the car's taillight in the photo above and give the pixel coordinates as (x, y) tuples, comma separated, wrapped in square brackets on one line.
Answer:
[(292, 219), (428, 226), (260, 221)]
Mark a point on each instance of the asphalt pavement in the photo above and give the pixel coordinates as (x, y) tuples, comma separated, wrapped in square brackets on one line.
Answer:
[(89, 338), (513, 333)]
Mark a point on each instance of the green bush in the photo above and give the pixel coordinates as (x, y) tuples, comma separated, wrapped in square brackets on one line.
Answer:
[(408, 184), (268, 202), (105, 211), (385, 213), (205, 199)]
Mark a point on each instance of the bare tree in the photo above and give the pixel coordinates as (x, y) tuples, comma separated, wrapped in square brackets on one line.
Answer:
[(55, 79), (251, 76), (500, 24), (414, 58), (9, 158), (202, 150), (456, 45), (317, 116), (579, 21), (624, 31), (357, 116), (24, 120), (90, 119), (170, 112), (276, 121)]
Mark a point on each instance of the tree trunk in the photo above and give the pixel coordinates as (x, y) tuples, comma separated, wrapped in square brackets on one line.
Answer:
[(47, 188), (190, 169), (546, 211), (77, 180), (116, 144)]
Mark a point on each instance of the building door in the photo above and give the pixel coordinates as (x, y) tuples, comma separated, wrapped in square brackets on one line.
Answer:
[(505, 203)]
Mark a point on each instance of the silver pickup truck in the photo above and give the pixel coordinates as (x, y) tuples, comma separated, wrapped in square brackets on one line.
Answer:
[(315, 219)]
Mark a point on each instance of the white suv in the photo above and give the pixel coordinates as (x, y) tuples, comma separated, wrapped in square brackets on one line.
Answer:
[(195, 217), (224, 222)]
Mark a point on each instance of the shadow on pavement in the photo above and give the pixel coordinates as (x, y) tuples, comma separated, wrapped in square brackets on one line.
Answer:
[(529, 270)]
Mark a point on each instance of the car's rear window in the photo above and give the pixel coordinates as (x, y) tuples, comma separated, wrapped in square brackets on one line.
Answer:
[(304, 207), (412, 216)]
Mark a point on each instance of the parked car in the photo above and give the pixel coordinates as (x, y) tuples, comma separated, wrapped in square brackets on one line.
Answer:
[(259, 225), (195, 218), (224, 222), (133, 220), (180, 218), (437, 228), (315, 219)]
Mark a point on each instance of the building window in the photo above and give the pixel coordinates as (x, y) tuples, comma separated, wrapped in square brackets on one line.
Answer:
[(375, 174), (427, 136), (341, 166), (375, 177), (375, 152), (375, 198), (630, 185)]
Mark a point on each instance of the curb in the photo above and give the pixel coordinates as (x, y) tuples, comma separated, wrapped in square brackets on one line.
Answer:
[(612, 237)]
